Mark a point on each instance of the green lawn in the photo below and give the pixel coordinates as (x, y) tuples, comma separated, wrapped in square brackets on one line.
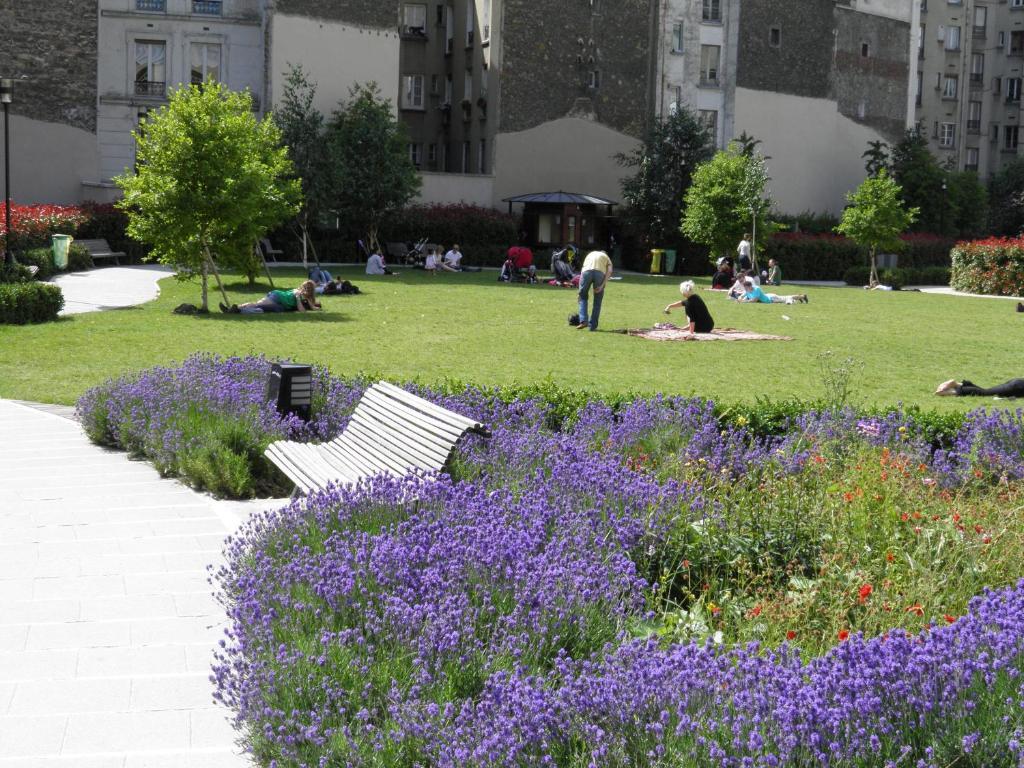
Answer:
[(471, 328)]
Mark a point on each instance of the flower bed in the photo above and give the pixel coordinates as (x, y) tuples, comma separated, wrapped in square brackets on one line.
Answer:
[(992, 266), (641, 584)]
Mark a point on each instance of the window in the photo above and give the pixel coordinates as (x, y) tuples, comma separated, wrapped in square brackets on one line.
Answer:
[(709, 64), (920, 86), (865, 50), (949, 86), (414, 19), (207, 7), (709, 119), (432, 154), (467, 86), (977, 67), (594, 80), (412, 91), (1017, 3), (1013, 89), (205, 62), (481, 159), (952, 38), (997, 86), (485, 22), (449, 28), (677, 37), (1001, 39), (1011, 133), (1017, 43), (955, 2), (158, 6), (974, 117), (711, 10), (439, 15), (994, 132), (971, 160), (150, 67), (980, 18), (435, 85), (775, 37), (470, 22), (920, 44), (448, 89), (465, 157), (415, 154), (947, 134)]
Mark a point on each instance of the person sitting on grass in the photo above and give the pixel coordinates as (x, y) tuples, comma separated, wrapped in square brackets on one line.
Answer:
[(696, 310), (755, 295), (301, 299), (375, 264), (452, 260), (1011, 389), (723, 278), (774, 273)]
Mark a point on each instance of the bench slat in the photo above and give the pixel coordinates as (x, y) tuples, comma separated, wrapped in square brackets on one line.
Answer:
[(402, 453), (442, 414), (413, 431), (420, 454), (370, 444), (443, 431)]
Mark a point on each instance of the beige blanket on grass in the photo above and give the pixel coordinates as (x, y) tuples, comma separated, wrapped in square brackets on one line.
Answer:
[(670, 332)]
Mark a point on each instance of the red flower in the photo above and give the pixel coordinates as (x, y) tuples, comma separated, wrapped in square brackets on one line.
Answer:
[(949, 619), (916, 609), (790, 634), (756, 611), (889, 557), (843, 634), (864, 593)]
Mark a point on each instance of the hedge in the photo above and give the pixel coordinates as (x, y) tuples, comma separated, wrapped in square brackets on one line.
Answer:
[(41, 258), (993, 266), (828, 257), (898, 278), (483, 234), (22, 303)]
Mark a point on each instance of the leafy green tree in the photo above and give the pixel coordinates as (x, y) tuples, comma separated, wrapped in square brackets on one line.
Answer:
[(726, 200), (664, 163), (302, 132), (875, 217), (372, 172), (1006, 200), (915, 169), (968, 203), (754, 197), (211, 180), (876, 157)]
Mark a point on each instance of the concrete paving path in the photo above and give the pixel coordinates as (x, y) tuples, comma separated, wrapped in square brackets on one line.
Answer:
[(110, 287), (107, 624)]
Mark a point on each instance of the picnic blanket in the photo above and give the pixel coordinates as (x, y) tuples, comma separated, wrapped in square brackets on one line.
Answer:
[(670, 332)]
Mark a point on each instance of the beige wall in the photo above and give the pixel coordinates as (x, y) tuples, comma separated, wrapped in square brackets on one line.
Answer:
[(569, 154), (49, 161), (815, 151), (335, 56), (447, 188)]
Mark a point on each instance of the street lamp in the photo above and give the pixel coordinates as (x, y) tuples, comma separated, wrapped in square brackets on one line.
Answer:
[(6, 94)]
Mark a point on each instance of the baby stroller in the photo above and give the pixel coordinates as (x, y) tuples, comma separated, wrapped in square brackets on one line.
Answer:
[(417, 253), (560, 267)]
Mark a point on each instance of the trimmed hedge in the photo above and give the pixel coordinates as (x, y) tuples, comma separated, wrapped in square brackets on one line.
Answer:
[(15, 273), (483, 234), (39, 257), (829, 257), (22, 303), (79, 259), (898, 278), (993, 266)]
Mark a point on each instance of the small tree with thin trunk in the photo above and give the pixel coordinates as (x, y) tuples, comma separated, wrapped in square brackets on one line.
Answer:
[(210, 178), (875, 217)]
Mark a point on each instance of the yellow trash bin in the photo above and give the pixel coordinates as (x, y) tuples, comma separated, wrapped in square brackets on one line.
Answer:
[(656, 254)]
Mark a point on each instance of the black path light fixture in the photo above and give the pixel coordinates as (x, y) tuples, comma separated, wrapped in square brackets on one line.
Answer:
[(6, 96), (290, 388)]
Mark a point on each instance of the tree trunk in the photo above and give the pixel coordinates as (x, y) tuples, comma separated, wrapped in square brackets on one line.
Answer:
[(873, 279), (208, 260), (205, 307)]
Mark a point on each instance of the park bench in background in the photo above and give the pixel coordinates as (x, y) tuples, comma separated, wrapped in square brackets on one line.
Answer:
[(100, 249), (391, 432)]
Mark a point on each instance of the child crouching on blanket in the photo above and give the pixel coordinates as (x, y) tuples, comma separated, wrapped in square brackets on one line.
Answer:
[(696, 310)]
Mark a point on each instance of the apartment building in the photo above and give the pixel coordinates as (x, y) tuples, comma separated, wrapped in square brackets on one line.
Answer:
[(968, 87)]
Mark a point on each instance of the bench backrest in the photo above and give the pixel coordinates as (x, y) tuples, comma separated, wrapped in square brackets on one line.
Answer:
[(94, 246)]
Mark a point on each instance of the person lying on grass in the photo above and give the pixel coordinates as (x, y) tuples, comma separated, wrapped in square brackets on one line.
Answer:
[(694, 307), (754, 294), (1010, 389), (301, 299)]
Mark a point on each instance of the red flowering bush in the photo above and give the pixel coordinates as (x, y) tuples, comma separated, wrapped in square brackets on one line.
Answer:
[(32, 225), (993, 266)]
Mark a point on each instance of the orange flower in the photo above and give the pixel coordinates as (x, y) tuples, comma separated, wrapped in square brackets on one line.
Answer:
[(904, 517), (949, 619), (756, 611), (843, 634), (790, 635), (864, 593), (889, 557), (847, 497), (956, 517), (916, 609), (885, 475)]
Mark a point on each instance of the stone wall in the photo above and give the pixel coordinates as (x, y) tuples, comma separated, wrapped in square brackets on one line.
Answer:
[(365, 13), (549, 49), (54, 45)]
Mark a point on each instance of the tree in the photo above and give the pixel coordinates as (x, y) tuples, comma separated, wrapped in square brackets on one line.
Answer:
[(748, 144), (968, 203), (725, 199), (753, 196), (876, 157), (876, 217), (664, 164), (916, 171), (1006, 199), (372, 172), (302, 133), (211, 180)]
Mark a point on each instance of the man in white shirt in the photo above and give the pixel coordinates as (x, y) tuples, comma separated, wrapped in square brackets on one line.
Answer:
[(597, 271), (743, 249), (452, 259)]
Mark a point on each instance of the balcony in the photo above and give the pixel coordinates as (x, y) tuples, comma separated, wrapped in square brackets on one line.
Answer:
[(156, 88), (978, 33), (974, 127), (709, 80), (208, 7), (151, 6), (977, 79)]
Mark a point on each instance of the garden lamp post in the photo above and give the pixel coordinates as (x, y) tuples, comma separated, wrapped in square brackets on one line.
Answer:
[(6, 94)]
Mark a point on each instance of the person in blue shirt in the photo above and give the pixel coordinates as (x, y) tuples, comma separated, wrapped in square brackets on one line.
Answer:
[(754, 295)]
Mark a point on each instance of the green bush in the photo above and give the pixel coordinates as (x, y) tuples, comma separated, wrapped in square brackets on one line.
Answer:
[(900, 277), (994, 266), (15, 273), (830, 257), (79, 259), (22, 303), (41, 258), (483, 234)]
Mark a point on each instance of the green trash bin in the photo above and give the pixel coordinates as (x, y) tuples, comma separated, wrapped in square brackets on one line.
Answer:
[(61, 244), (656, 254), (670, 261)]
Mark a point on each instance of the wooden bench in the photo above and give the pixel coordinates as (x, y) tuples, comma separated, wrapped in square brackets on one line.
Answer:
[(391, 432), (100, 249)]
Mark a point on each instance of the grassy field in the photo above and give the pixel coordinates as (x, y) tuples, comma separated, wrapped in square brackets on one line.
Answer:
[(471, 328)]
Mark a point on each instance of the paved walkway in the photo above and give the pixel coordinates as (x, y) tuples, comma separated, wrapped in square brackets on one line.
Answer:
[(110, 287), (106, 620)]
